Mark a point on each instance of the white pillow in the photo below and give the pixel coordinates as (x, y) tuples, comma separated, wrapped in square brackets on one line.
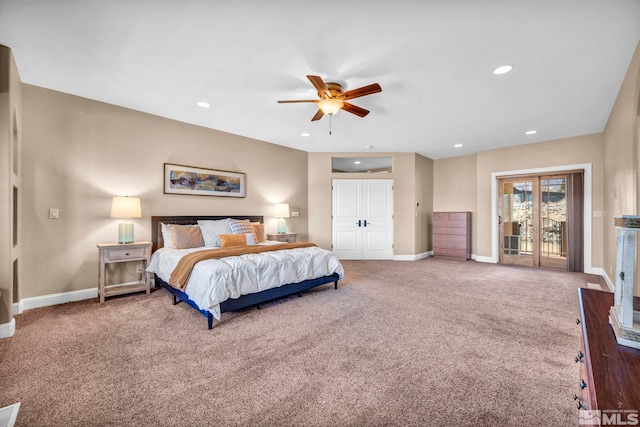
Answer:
[(166, 236), (251, 238), (211, 228)]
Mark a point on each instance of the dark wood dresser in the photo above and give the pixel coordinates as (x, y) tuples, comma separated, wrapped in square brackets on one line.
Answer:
[(452, 234), (609, 372)]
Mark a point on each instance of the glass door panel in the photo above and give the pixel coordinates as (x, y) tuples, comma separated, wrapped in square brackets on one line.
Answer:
[(517, 226), (553, 217)]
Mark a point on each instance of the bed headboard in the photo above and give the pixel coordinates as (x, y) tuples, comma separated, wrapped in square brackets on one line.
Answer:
[(157, 221)]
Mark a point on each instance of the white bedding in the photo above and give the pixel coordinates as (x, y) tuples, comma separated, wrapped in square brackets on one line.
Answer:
[(216, 280)]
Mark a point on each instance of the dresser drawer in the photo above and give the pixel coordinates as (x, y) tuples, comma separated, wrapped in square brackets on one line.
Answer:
[(444, 239), (458, 253), (449, 231), (451, 245), (458, 216), (440, 216), (438, 223), (123, 254)]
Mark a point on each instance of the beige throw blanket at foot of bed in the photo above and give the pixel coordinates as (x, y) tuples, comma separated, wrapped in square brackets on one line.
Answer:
[(180, 274)]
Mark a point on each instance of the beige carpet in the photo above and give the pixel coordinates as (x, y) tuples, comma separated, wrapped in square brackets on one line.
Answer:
[(427, 343)]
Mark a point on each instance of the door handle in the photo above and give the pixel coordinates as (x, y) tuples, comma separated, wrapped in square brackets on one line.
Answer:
[(359, 223), (365, 222)]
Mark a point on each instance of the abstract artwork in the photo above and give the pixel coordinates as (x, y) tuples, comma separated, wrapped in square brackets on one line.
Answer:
[(180, 179)]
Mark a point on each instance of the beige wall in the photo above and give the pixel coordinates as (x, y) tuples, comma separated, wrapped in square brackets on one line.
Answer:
[(10, 141), (621, 152), (454, 188), (423, 204), (79, 153), (453, 173), (405, 193)]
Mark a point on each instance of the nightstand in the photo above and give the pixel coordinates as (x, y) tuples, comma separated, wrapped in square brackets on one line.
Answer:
[(115, 252), (283, 237)]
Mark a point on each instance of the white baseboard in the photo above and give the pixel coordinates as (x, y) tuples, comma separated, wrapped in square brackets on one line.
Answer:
[(485, 259), (412, 257), (8, 329), (600, 272), (54, 299)]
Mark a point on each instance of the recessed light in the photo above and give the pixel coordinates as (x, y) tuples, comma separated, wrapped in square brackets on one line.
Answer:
[(304, 134), (531, 132), (458, 145), (204, 104), (503, 69), (357, 162)]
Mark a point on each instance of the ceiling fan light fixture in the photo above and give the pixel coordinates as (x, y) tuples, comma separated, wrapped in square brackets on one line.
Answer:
[(330, 106)]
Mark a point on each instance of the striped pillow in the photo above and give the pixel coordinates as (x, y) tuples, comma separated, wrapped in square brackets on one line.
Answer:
[(242, 227)]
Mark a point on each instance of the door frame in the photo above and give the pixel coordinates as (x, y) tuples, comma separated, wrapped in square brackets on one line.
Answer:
[(587, 215)]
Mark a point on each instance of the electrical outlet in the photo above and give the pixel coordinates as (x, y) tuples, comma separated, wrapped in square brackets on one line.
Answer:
[(53, 213), (295, 214)]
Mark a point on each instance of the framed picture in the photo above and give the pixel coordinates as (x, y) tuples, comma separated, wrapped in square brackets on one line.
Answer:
[(180, 179)]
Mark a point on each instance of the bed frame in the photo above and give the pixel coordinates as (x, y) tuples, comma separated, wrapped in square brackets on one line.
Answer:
[(244, 301)]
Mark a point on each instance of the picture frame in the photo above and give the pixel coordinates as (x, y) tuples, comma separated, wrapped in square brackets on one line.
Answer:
[(197, 181)]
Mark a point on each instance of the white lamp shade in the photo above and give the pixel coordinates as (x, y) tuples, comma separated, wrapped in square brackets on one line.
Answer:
[(126, 207), (281, 210)]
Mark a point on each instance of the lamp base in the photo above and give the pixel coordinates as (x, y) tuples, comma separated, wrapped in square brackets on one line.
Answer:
[(282, 226), (125, 232)]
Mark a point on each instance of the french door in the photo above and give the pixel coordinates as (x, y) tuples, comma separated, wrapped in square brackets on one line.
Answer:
[(534, 220), (362, 218)]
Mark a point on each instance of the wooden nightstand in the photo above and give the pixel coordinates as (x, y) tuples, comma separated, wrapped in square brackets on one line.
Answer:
[(115, 252), (284, 237)]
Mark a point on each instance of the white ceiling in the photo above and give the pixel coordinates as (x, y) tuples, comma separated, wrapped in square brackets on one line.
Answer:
[(433, 59)]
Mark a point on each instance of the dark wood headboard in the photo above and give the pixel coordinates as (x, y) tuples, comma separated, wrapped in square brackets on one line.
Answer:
[(157, 221)]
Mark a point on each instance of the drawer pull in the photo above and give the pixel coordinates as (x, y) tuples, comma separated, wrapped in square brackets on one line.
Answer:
[(583, 385), (579, 357), (127, 254)]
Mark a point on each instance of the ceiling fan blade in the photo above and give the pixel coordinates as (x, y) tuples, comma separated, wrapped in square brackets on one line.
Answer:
[(321, 87), (318, 116), (354, 109), (297, 100), (362, 91)]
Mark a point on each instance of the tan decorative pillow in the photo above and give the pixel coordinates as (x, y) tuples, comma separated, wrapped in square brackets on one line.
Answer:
[(232, 240), (259, 230), (186, 236)]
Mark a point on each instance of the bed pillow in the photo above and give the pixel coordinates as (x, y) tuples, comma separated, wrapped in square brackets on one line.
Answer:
[(258, 228), (242, 227), (212, 228), (232, 240), (166, 236), (186, 236)]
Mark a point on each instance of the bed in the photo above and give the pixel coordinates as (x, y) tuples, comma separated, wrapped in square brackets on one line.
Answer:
[(212, 292)]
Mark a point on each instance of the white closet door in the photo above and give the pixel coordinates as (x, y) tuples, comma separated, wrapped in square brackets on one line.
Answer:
[(347, 218), (377, 203), (362, 222)]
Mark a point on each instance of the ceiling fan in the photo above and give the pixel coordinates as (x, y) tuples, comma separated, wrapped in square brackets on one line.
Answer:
[(333, 98)]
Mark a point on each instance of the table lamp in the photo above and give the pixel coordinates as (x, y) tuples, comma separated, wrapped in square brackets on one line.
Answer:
[(125, 208), (281, 211)]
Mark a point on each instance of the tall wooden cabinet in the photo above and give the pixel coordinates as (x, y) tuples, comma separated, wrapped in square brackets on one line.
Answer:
[(609, 372), (452, 234)]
